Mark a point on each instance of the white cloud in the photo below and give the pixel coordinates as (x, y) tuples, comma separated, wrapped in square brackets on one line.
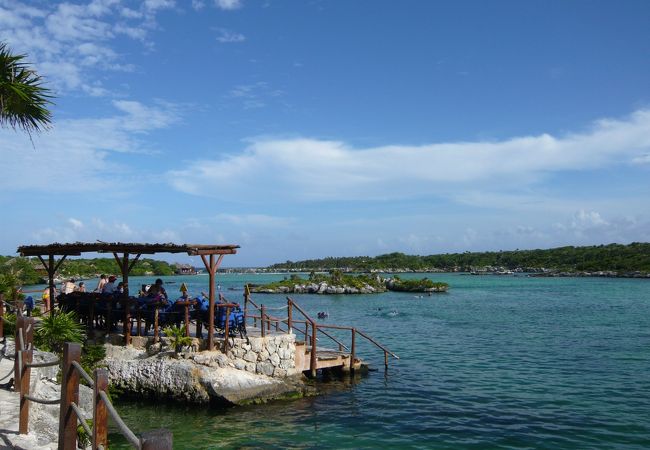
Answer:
[(257, 220), (229, 37), (82, 145), (255, 95), (308, 169), (70, 42), (228, 4), (76, 223)]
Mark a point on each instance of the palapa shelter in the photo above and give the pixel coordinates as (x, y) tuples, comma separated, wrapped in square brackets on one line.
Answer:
[(212, 255)]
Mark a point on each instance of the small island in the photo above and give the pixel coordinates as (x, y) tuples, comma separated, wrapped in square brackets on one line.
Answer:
[(337, 282)]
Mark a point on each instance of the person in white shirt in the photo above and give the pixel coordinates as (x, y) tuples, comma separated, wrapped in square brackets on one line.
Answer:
[(68, 286), (109, 287)]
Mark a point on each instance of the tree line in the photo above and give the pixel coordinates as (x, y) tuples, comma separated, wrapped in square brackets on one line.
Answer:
[(25, 271), (611, 257)]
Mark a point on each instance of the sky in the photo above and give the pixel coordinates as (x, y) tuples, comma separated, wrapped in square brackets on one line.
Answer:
[(313, 128)]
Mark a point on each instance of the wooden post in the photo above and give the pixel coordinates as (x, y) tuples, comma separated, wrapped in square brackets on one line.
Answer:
[(313, 361), (20, 325), (211, 307), (385, 360), (26, 358), (109, 314), (352, 349), (50, 276), (262, 316), (226, 331), (246, 296), (100, 412), (161, 439), (187, 319), (289, 315), (156, 336), (69, 394), (306, 331), (91, 318), (29, 325), (2, 313)]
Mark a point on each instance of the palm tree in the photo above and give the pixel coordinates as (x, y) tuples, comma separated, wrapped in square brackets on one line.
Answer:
[(23, 100)]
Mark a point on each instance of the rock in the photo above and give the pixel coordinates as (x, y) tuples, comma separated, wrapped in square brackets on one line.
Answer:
[(265, 368), (201, 378), (250, 356), (275, 359)]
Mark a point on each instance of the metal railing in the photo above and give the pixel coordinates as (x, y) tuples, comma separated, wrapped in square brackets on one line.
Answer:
[(311, 331), (69, 411)]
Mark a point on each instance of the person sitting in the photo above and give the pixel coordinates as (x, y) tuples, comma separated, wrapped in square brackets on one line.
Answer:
[(81, 287), (68, 287), (109, 287), (157, 291), (101, 283)]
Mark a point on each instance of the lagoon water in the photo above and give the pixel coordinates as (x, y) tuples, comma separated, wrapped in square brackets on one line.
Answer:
[(498, 362)]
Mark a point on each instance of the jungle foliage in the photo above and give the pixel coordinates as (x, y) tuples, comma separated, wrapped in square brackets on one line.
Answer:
[(612, 257)]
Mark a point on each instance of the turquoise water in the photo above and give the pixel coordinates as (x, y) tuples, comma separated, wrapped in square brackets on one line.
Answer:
[(498, 362)]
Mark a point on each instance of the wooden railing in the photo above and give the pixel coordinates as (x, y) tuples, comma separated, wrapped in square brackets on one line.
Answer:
[(151, 311), (311, 331), (69, 411)]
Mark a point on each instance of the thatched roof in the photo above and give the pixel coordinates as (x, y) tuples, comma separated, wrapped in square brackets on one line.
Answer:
[(78, 248)]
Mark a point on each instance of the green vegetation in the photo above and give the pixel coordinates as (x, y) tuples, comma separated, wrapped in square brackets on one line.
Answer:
[(177, 336), (612, 257), (335, 278), (16, 272), (55, 330), (90, 267), (24, 101), (26, 271), (422, 285)]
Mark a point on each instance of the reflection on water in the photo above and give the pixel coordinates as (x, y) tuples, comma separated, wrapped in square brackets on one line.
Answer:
[(498, 362)]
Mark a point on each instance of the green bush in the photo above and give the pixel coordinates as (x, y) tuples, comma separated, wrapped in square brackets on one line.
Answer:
[(9, 324), (55, 330), (91, 355), (177, 336)]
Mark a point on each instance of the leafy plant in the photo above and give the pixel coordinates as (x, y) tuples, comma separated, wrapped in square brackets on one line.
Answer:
[(9, 324), (177, 336), (23, 100), (83, 438), (91, 355), (53, 331)]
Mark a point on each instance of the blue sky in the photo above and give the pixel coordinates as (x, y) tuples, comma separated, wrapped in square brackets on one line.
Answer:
[(303, 129)]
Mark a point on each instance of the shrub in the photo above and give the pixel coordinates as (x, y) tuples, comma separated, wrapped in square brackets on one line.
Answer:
[(177, 336), (53, 331)]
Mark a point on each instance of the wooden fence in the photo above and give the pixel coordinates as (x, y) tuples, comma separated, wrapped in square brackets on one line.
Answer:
[(69, 412)]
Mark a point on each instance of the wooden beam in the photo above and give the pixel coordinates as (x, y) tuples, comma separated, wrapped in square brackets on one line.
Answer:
[(135, 260), (58, 264)]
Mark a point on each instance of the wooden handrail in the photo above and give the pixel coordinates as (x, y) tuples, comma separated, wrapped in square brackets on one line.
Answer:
[(361, 333)]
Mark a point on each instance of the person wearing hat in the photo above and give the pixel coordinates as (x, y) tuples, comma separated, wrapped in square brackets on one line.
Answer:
[(109, 287)]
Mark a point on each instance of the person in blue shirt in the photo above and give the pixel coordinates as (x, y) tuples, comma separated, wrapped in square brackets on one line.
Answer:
[(29, 305)]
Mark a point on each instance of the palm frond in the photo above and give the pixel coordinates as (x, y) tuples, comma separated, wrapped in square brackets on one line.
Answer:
[(24, 101)]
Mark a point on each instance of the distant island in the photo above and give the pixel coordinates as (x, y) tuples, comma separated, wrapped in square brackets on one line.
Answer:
[(336, 282), (613, 260)]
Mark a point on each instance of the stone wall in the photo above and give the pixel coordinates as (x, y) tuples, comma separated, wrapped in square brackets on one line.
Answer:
[(273, 356)]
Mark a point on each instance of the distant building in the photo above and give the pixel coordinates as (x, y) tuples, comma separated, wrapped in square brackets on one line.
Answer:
[(184, 269)]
